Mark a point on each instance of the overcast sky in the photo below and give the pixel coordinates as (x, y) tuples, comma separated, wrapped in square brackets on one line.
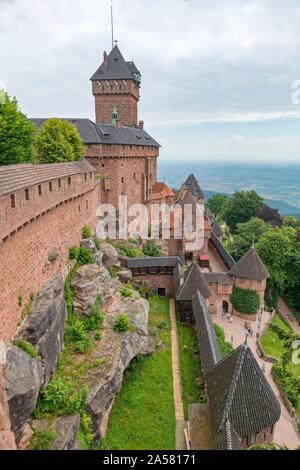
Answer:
[(217, 74)]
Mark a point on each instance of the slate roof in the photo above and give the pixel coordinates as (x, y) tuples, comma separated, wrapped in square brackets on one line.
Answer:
[(192, 185), (16, 177), (193, 281), (153, 262), (110, 134), (250, 266), (92, 133), (216, 228), (177, 276), (221, 278), (239, 392), (227, 439), (86, 128), (116, 68), (226, 257), (208, 345)]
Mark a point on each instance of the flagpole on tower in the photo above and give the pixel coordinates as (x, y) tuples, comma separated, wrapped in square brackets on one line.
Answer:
[(112, 24)]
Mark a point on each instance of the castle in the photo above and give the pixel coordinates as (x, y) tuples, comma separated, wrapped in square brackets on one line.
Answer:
[(116, 144), (43, 209)]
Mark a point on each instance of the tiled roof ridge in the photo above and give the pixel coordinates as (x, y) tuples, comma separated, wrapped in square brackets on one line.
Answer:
[(243, 349), (208, 329)]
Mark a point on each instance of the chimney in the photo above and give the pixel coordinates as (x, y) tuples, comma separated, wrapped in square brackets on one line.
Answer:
[(141, 125), (105, 59)]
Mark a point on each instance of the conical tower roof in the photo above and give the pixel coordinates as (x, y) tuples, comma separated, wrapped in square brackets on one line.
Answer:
[(239, 392), (193, 187), (114, 67), (250, 266), (194, 280)]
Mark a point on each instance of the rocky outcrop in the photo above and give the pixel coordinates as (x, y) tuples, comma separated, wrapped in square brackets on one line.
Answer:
[(45, 327), (110, 255), (89, 281), (89, 245), (66, 430), (23, 378), (7, 438), (125, 275), (115, 350)]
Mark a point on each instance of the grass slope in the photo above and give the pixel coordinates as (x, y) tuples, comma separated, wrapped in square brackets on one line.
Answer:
[(192, 378), (143, 416)]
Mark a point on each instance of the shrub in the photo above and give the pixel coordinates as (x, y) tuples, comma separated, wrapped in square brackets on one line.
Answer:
[(95, 319), (84, 256), (86, 232), (225, 347), (122, 324), (132, 252), (73, 252), (150, 249), (112, 271), (126, 292), (288, 383), (20, 299), (76, 335), (42, 440), (59, 399), (98, 336), (27, 347), (245, 300), (145, 291), (85, 431), (54, 397), (97, 243)]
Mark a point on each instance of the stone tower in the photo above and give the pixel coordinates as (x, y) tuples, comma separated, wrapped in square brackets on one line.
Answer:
[(116, 85)]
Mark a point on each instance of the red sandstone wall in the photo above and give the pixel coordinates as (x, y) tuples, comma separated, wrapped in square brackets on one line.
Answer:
[(124, 171), (164, 281), (219, 293), (124, 95), (62, 189), (24, 256)]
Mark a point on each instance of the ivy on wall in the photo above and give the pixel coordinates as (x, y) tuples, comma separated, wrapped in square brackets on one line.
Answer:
[(245, 300)]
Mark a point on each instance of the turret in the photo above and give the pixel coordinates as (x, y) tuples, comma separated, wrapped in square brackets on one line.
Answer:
[(116, 84)]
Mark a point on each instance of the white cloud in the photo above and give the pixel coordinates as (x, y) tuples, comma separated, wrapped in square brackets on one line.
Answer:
[(220, 61)]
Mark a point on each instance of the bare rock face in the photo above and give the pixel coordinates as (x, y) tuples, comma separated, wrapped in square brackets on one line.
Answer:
[(45, 327), (66, 430), (89, 281), (7, 438), (116, 350), (110, 255), (23, 378), (125, 275)]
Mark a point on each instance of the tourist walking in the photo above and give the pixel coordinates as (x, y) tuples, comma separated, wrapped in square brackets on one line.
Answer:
[(263, 367)]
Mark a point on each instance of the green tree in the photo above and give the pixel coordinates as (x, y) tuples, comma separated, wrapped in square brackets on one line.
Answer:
[(17, 133), (290, 221), (246, 234), (241, 208), (280, 251), (217, 205), (58, 141)]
